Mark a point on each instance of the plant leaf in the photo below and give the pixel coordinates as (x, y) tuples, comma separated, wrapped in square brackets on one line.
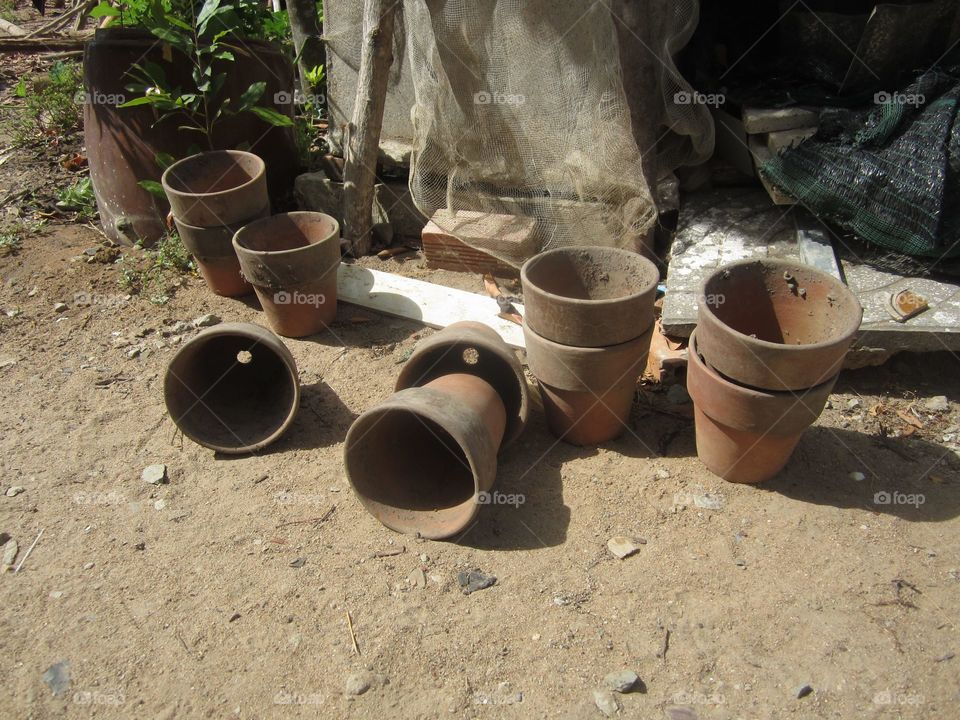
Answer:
[(104, 9), (154, 188), (272, 116), (251, 95)]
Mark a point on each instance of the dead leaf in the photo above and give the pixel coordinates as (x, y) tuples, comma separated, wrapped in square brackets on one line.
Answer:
[(876, 409), (909, 419), (511, 317), (491, 286)]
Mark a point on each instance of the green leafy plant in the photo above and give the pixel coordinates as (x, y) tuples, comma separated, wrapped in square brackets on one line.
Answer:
[(78, 198), (155, 275), (50, 107), (10, 243), (205, 37)]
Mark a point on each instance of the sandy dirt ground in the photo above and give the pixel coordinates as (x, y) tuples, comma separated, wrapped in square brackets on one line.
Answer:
[(832, 591)]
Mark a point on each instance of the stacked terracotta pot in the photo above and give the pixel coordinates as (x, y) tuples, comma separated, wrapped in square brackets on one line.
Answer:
[(212, 195), (769, 344), (587, 326), (424, 460)]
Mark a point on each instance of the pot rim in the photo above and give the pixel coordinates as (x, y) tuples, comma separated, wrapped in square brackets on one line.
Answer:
[(708, 312), (241, 224), (525, 279), (258, 176), (745, 389), (334, 233)]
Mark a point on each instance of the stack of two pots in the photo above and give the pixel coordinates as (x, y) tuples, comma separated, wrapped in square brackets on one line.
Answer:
[(588, 322), (770, 341)]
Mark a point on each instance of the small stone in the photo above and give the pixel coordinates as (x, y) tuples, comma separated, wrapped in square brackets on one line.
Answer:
[(707, 501), (829, 405), (424, 557), (680, 712), (60, 307), (622, 547), (606, 701), (475, 580), (662, 474), (14, 490), (937, 404), (154, 474), (678, 395), (56, 594), (740, 563), (852, 404), (234, 617), (7, 361), (10, 551), (160, 504), (857, 476), (140, 546), (88, 566), (57, 677), (206, 321), (802, 691), (33, 291), (134, 353), (298, 562), (417, 578), (624, 681), (359, 683)]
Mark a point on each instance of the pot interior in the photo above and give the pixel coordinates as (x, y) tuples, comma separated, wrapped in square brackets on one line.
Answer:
[(229, 391), (781, 303), (287, 232), (214, 172), (412, 471), (590, 273)]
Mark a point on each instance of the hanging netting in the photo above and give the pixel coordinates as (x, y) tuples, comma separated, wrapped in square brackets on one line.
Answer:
[(520, 110)]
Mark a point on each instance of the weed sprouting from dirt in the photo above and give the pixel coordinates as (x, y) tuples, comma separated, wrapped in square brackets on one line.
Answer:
[(49, 107), (10, 243), (156, 274), (78, 198)]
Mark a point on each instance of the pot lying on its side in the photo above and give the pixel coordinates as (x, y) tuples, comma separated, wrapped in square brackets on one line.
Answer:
[(587, 392), (422, 460), (775, 324), (746, 435), (589, 296), (291, 260), (233, 388)]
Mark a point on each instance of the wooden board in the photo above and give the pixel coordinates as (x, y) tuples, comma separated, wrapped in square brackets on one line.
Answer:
[(723, 226), (430, 304)]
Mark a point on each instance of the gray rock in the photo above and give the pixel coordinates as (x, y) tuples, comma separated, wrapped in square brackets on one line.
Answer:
[(706, 501), (10, 551), (606, 702), (622, 546), (937, 404), (359, 683), (475, 580), (88, 566), (160, 504), (857, 476), (680, 712), (298, 562), (802, 691), (852, 404), (134, 353), (154, 474), (623, 681), (14, 490), (206, 321), (7, 361), (57, 678), (60, 307), (662, 474)]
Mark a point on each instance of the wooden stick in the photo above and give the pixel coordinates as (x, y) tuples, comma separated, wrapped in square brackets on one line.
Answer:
[(363, 142), (353, 635), (29, 550), (10, 29)]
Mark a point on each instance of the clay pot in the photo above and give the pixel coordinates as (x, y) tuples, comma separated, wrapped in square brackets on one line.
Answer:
[(419, 460), (212, 248), (291, 260), (746, 435), (589, 296), (233, 388), (776, 325), (476, 349), (587, 392), (217, 188)]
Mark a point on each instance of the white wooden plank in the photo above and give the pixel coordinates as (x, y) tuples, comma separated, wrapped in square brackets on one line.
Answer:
[(433, 305)]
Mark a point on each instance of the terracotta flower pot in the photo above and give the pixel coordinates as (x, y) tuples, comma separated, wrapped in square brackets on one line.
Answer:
[(212, 248), (473, 348), (746, 435), (587, 392), (589, 296), (419, 460), (776, 325), (291, 260), (216, 188), (233, 388)]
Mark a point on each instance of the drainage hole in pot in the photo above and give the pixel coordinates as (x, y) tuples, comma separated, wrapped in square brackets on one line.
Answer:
[(471, 356), (244, 357)]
